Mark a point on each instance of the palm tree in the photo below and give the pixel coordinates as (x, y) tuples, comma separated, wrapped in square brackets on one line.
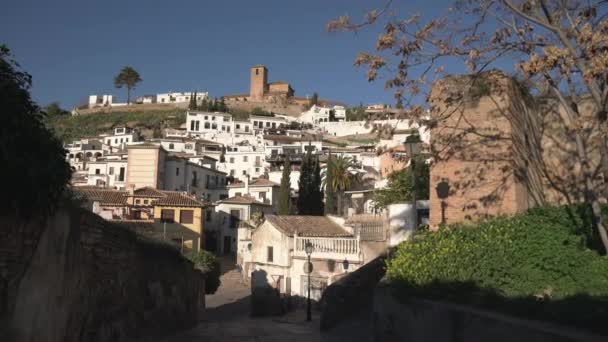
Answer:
[(343, 175), (128, 78)]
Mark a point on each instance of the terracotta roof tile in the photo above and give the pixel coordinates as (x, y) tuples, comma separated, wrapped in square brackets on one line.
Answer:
[(103, 196), (319, 226), (242, 200), (147, 192), (255, 183), (178, 199)]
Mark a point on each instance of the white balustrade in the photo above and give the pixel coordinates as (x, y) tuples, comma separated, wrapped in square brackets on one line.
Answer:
[(324, 246)]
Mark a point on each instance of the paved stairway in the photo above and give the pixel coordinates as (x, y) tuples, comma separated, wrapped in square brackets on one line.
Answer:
[(227, 319)]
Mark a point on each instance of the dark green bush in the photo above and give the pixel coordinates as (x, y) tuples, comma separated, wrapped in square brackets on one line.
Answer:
[(536, 264), (208, 264)]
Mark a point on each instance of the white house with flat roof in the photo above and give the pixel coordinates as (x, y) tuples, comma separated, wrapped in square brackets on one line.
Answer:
[(120, 137), (317, 114), (243, 161), (176, 97), (267, 122), (198, 123)]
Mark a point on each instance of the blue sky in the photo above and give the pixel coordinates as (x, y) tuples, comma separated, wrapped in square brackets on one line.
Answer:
[(74, 48)]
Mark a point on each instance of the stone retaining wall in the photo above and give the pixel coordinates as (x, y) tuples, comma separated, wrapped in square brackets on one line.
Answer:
[(350, 294), (419, 320), (76, 277)]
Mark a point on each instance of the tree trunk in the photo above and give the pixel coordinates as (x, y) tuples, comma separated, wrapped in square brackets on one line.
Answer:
[(590, 196), (128, 95), (569, 117)]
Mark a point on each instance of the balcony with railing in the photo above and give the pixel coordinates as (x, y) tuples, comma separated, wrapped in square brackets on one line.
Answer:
[(336, 248)]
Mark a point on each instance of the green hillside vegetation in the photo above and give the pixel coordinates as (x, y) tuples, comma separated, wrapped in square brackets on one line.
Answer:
[(68, 128)]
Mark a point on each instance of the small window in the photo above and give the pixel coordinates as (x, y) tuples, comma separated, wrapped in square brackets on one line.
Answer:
[(208, 215), (206, 117), (231, 160), (186, 216), (270, 254), (167, 215), (97, 171), (145, 201), (257, 71), (111, 171), (177, 171), (244, 159), (244, 172), (171, 146), (232, 173), (237, 194), (137, 201)]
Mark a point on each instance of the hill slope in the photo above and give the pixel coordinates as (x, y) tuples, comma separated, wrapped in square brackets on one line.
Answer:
[(68, 128)]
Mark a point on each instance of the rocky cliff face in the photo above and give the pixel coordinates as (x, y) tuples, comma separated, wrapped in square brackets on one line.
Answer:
[(76, 277)]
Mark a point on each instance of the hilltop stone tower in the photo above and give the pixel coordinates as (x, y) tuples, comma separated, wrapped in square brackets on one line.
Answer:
[(259, 82)]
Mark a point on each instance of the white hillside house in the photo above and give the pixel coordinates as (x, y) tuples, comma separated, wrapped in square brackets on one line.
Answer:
[(317, 114), (180, 97), (276, 249)]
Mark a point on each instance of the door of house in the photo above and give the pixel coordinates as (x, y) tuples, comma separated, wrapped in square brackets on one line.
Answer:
[(317, 286), (227, 245)]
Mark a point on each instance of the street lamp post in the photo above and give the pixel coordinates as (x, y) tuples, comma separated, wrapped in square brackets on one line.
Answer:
[(411, 143), (308, 249)]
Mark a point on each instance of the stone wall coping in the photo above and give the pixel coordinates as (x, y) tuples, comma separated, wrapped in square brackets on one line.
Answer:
[(543, 326)]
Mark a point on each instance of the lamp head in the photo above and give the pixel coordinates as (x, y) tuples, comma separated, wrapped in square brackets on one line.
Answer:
[(308, 248)]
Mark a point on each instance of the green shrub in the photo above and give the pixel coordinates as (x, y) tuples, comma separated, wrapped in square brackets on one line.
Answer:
[(208, 264), (536, 264)]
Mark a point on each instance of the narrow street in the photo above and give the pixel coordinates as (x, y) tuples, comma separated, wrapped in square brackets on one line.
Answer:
[(227, 319)]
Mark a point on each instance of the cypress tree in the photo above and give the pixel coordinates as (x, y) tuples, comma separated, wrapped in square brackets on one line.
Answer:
[(330, 201), (310, 195), (285, 189), (316, 192), (304, 185)]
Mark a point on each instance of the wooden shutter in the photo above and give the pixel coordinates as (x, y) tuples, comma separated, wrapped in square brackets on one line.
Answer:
[(167, 215), (186, 216)]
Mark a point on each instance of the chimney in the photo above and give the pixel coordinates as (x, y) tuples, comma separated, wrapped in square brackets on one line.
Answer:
[(131, 189), (247, 185)]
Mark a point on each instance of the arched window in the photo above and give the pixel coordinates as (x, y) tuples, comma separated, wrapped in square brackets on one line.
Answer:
[(79, 156), (89, 154), (171, 146), (97, 155), (71, 155)]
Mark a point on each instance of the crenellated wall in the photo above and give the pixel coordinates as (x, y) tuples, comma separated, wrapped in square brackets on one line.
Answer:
[(76, 277)]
